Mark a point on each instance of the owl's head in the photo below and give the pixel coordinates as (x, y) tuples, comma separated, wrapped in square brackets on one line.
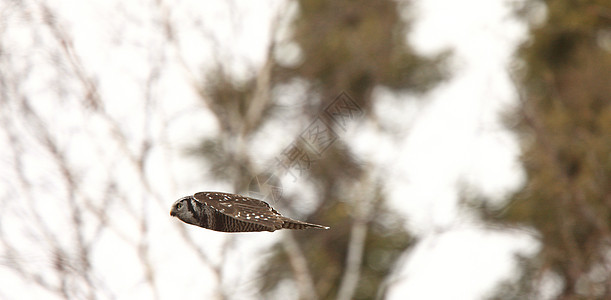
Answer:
[(183, 210)]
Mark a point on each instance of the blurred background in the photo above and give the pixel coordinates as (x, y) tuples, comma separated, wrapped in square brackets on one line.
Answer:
[(457, 149)]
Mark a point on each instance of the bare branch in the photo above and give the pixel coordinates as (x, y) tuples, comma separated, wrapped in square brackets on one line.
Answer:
[(299, 264)]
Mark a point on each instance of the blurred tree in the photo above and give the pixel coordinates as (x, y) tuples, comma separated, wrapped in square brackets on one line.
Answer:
[(344, 46), (564, 123)]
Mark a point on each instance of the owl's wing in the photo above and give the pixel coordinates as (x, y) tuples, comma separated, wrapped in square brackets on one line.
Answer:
[(242, 208)]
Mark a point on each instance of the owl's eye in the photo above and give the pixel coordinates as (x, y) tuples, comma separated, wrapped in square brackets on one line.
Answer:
[(179, 205)]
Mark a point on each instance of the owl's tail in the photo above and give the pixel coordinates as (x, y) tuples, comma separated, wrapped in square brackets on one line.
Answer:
[(294, 224)]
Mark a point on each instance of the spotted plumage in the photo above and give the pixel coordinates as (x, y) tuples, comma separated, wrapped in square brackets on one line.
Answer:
[(232, 213)]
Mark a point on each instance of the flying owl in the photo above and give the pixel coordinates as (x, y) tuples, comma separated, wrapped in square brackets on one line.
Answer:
[(232, 213)]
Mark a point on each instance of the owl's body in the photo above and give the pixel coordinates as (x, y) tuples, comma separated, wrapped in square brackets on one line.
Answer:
[(232, 213)]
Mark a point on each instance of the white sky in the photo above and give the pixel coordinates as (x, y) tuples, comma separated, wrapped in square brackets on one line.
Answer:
[(455, 138), (458, 138)]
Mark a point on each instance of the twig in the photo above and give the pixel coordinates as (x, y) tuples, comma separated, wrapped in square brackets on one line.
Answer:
[(299, 264)]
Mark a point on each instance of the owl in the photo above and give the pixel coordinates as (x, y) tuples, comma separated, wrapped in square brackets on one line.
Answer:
[(232, 213)]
